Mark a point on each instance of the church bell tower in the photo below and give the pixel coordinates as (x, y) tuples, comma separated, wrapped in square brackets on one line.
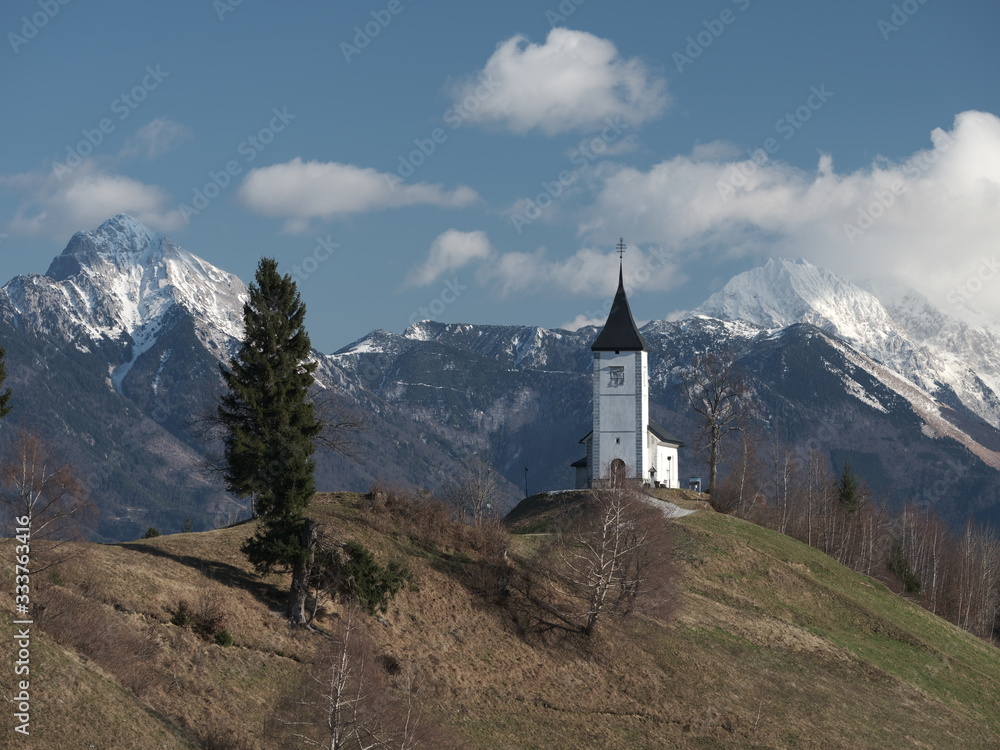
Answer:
[(621, 392)]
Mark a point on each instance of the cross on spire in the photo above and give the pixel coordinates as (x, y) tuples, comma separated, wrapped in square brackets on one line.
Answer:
[(620, 247)]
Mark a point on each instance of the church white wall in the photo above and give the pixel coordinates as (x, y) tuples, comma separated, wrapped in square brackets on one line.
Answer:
[(643, 416), (623, 413), (665, 462)]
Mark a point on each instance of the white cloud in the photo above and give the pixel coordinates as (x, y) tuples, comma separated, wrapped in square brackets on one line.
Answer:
[(581, 321), (85, 197), (588, 272), (450, 251), (299, 191), (155, 139), (574, 81), (928, 220)]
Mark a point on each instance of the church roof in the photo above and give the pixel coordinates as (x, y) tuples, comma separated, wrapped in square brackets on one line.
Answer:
[(658, 432), (662, 435), (620, 333)]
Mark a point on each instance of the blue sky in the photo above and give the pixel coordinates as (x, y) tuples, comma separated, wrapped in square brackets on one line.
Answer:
[(475, 162)]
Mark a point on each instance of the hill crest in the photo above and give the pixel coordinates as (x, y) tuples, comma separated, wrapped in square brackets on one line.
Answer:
[(773, 645)]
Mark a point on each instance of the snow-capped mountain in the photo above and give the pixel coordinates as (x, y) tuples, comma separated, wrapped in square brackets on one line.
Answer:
[(942, 354), (115, 348), (123, 285)]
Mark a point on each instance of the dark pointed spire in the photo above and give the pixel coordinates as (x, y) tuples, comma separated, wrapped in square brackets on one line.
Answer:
[(620, 333)]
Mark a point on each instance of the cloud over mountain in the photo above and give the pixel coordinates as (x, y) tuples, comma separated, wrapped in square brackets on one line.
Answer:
[(930, 219), (56, 205)]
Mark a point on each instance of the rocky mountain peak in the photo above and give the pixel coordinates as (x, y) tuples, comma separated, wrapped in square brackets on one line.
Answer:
[(784, 292), (892, 324), (124, 282), (121, 241)]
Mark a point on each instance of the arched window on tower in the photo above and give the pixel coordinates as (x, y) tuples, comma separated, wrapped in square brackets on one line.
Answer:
[(618, 471)]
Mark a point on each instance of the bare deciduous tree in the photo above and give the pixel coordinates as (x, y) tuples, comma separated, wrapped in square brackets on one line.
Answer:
[(740, 490), (716, 389), (356, 700), (45, 494), (341, 424), (473, 492), (616, 554)]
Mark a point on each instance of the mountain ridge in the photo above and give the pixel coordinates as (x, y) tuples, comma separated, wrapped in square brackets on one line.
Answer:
[(152, 321), (906, 333)]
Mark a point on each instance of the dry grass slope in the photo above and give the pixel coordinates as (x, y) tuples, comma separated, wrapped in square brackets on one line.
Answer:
[(774, 646)]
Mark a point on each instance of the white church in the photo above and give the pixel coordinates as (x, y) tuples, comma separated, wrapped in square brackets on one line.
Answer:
[(624, 438)]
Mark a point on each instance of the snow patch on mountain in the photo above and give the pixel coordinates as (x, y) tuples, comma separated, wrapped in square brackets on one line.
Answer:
[(924, 404), (888, 322), (159, 370), (122, 283), (378, 341), (855, 389)]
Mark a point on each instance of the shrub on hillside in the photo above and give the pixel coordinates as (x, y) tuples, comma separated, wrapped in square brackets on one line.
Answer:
[(430, 523), (209, 617), (206, 617), (182, 615), (899, 565), (422, 518), (348, 571)]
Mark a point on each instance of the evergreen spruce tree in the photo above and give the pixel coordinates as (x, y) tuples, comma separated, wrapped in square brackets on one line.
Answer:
[(5, 396), (847, 490), (270, 429)]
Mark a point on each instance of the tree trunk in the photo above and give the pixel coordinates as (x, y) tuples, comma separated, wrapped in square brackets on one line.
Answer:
[(300, 576), (713, 460)]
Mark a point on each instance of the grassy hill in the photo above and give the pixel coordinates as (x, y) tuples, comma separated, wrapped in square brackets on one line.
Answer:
[(772, 645)]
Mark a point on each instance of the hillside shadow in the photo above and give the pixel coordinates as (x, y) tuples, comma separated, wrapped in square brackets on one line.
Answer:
[(514, 594), (224, 573)]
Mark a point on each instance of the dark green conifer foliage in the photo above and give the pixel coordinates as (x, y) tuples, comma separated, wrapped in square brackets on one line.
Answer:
[(269, 423), (5, 396), (374, 585), (847, 490)]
